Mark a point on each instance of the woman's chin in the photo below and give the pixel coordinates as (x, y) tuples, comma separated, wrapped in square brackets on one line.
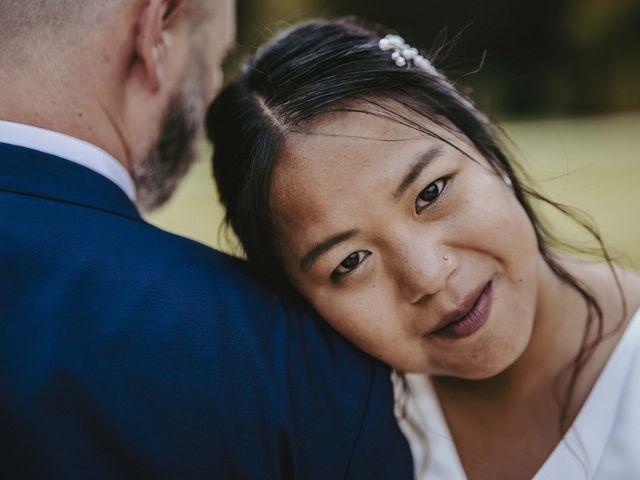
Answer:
[(476, 363), (477, 369)]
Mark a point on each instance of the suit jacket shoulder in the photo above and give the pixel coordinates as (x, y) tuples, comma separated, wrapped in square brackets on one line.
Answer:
[(128, 351)]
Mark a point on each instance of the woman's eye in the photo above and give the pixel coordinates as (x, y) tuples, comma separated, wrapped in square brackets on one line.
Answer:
[(430, 194), (350, 263)]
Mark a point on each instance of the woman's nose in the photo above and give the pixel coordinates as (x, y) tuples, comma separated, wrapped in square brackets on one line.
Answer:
[(423, 271)]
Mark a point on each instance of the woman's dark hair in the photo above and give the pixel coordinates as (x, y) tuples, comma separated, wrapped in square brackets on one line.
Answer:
[(327, 66)]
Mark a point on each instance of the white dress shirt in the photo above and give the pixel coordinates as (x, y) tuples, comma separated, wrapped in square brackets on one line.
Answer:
[(602, 444), (69, 148)]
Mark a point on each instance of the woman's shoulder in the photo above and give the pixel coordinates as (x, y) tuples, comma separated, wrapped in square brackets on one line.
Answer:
[(609, 284), (627, 283), (630, 280)]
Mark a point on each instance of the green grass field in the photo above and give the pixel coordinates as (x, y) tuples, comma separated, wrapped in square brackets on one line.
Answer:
[(592, 164)]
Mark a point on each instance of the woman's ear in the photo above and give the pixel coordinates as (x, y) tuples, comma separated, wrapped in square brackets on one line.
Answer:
[(153, 37)]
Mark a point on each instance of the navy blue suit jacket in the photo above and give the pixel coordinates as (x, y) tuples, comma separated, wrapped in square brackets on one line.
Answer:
[(128, 352)]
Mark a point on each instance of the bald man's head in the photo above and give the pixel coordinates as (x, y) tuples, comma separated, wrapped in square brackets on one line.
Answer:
[(133, 77)]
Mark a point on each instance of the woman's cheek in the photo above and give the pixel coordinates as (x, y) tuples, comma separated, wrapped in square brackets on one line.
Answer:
[(494, 220), (357, 315)]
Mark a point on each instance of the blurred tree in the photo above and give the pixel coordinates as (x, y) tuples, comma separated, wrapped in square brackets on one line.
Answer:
[(602, 50), (542, 56)]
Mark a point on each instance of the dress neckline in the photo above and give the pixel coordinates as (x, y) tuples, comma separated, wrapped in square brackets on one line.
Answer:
[(583, 445), (579, 451)]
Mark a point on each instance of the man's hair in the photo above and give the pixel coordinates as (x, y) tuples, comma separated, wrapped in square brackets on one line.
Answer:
[(29, 26), (20, 19)]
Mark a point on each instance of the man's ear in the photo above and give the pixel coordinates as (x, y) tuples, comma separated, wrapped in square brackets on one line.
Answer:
[(152, 38)]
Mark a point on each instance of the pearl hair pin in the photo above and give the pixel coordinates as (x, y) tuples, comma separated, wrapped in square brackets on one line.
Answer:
[(403, 53)]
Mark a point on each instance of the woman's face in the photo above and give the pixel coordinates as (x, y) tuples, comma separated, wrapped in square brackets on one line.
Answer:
[(413, 248)]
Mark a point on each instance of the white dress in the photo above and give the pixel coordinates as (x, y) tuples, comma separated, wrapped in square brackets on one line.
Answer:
[(602, 444)]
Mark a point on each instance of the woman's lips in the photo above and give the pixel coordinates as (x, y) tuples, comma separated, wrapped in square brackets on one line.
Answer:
[(467, 319)]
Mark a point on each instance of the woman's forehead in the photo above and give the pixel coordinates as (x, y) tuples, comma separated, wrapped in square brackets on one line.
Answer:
[(359, 126), (346, 142), (348, 152), (374, 122)]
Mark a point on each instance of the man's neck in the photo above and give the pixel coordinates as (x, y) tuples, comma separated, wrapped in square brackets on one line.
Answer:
[(48, 104)]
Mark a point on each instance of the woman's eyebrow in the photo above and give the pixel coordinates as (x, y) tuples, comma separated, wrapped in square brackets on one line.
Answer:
[(414, 171), (323, 246)]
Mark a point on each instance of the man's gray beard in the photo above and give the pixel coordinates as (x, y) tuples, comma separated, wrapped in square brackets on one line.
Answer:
[(157, 176)]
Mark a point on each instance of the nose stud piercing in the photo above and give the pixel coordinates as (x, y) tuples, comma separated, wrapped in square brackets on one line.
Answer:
[(507, 180), (445, 258)]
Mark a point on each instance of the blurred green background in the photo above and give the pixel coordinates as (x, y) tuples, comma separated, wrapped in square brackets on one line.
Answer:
[(562, 77)]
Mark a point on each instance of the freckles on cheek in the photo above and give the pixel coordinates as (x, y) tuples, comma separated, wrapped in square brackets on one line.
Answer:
[(501, 224), (338, 312), (355, 320)]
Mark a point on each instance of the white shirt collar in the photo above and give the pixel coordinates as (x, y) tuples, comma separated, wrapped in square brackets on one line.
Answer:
[(68, 148)]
